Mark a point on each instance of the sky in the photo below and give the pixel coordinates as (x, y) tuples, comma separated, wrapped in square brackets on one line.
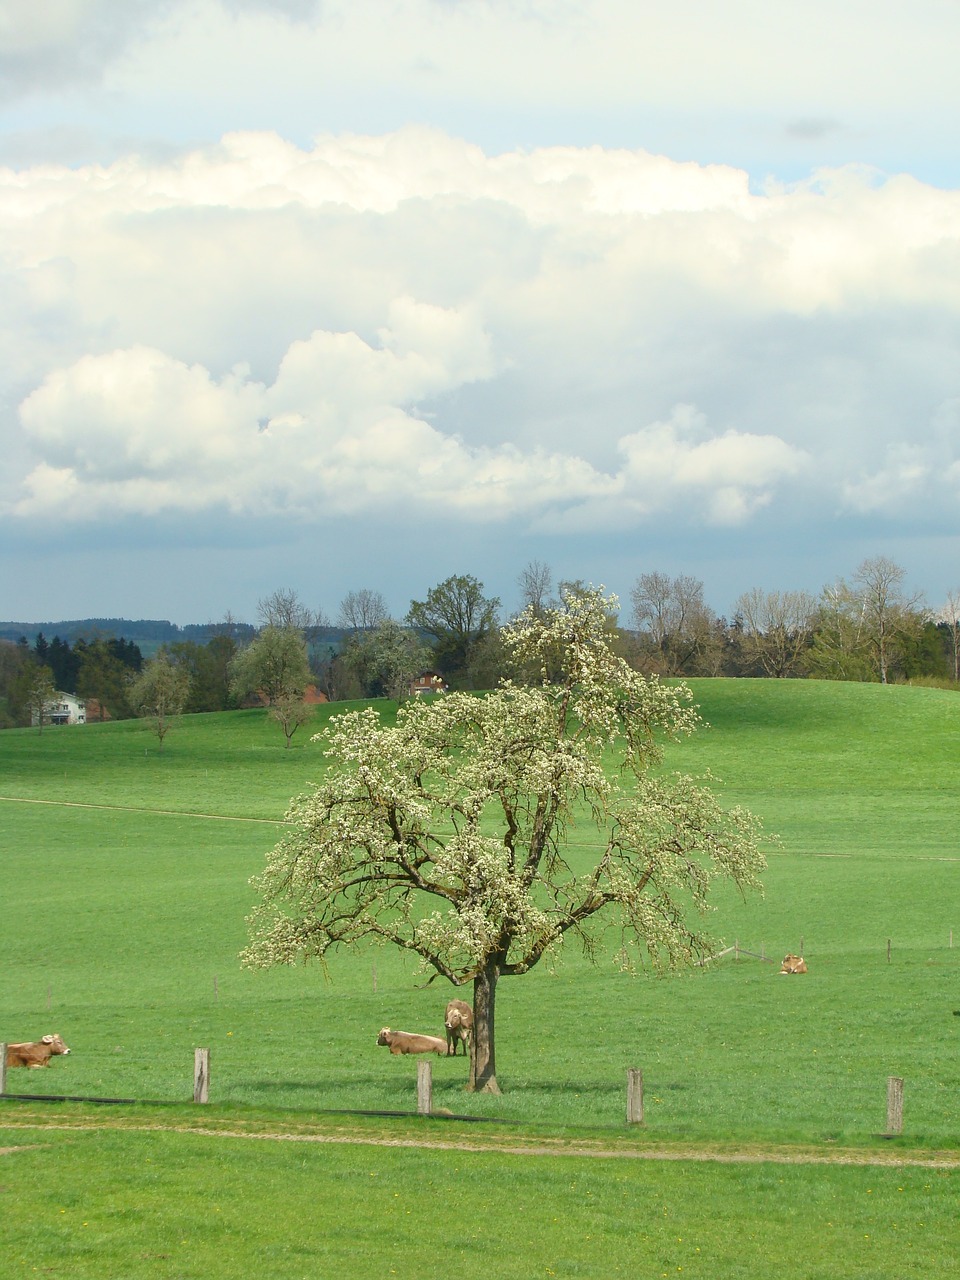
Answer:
[(330, 295)]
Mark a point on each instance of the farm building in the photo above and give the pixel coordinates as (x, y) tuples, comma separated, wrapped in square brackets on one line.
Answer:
[(64, 708), (427, 682)]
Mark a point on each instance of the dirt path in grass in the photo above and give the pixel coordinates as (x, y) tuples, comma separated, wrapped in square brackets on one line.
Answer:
[(126, 808), (503, 1145)]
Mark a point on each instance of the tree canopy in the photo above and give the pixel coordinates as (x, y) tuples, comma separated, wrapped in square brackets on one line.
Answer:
[(160, 692), (445, 834), (457, 616), (385, 659), (275, 667)]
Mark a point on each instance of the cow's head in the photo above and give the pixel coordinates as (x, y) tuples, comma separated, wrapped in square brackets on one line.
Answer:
[(383, 1037), (55, 1043)]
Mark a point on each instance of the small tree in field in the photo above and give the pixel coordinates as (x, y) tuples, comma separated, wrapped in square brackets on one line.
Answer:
[(445, 834), (275, 666), (39, 690), (160, 692)]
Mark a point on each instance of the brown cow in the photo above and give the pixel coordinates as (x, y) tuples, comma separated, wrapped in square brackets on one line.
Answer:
[(459, 1024), (793, 964), (410, 1042), (35, 1053)]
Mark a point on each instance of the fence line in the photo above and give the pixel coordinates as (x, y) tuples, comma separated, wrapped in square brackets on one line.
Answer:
[(201, 1075), (894, 1105), (737, 951), (201, 1094), (634, 1096)]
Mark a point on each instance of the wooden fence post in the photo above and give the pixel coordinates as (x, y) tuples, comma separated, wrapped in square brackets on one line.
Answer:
[(3, 1069), (424, 1088), (894, 1105), (634, 1096), (888, 951), (201, 1075)]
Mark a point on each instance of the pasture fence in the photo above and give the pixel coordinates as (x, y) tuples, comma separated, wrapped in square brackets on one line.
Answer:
[(424, 1089), (634, 1110), (634, 1096), (201, 1075), (739, 951), (894, 1105)]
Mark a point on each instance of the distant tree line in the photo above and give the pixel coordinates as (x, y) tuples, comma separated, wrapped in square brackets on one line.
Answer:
[(147, 633), (869, 627)]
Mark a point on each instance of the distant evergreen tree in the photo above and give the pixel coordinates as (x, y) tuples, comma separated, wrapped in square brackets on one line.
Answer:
[(41, 649), (106, 677), (64, 664), (127, 653)]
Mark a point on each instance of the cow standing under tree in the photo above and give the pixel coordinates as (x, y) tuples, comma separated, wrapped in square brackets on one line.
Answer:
[(458, 1021)]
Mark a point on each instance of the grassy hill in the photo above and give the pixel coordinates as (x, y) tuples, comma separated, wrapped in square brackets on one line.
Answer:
[(124, 888)]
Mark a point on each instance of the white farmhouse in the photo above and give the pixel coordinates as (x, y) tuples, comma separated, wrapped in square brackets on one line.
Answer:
[(64, 708)]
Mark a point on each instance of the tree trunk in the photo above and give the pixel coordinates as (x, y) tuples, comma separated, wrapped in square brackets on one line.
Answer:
[(483, 1059)]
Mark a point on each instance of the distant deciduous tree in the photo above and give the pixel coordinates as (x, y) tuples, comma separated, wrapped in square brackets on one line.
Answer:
[(457, 616), (776, 629), (670, 614), (862, 626), (160, 692), (950, 617), (386, 659), (15, 661), (275, 666), (839, 649), (362, 610), (535, 581), (285, 611), (890, 613), (290, 712), (38, 691)]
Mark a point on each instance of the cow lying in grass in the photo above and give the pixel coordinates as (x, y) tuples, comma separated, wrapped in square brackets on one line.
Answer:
[(459, 1024), (35, 1053), (409, 1042), (793, 964)]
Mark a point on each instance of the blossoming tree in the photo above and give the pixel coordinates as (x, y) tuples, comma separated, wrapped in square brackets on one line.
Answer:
[(446, 833)]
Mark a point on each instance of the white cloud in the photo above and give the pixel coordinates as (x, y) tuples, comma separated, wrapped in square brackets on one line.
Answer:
[(591, 53), (134, 432), (718, 479), (893, 487), (404, 323), (67, 41)]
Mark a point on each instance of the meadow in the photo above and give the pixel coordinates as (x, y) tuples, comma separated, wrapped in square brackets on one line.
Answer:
[(123, 891)]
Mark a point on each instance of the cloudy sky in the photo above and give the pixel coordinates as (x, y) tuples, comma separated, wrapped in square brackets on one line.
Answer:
[(342, 294)]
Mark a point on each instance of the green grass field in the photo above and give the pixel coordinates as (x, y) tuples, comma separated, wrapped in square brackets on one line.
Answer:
[(123, 890), (108, 1204)]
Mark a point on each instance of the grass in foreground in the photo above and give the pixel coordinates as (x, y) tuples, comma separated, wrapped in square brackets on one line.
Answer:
[(119, 1204)]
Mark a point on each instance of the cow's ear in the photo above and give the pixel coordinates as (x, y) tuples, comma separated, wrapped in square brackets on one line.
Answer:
[(46, 1039)]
